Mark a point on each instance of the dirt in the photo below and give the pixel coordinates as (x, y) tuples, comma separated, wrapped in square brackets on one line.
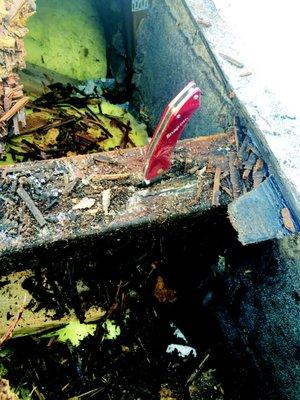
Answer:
[(148, 294)]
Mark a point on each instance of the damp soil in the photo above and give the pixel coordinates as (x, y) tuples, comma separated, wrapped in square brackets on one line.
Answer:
[(150, 285)]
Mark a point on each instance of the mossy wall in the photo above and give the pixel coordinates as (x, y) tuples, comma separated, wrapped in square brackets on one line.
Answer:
[(67, 37)]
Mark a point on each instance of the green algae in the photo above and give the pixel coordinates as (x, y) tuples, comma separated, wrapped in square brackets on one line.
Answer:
[(67, 37)]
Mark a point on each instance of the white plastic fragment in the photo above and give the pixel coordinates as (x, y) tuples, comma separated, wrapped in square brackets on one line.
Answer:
[(86, 202), (177, 332), (182, 350)]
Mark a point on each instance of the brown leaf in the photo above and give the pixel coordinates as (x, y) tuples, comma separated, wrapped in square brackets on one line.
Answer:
[(167, 394), (162, 293), (287, 220)]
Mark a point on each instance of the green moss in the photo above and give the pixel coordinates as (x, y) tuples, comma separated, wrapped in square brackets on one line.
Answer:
[(3, 370), (66, 36)]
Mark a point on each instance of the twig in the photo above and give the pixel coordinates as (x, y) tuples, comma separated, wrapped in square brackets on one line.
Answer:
[(110, 177), (235, 178), (31, 206), (14, 109), (243, 148), (258, 172), (105, 159), (195, 373), (232, 61), (245, 74), (203, 22), (12, 326), (199, 186), (236, 128), (71, 185), (216, 187), (287, 220), (226, 190), (249, 164), (46, 127), (16, 7)]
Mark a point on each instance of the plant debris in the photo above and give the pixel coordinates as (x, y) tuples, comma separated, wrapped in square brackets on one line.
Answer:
[(74, 332), (66, 122)]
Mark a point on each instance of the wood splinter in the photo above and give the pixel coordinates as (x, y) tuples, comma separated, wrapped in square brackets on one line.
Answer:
[(203, 22), (216, 188), (232, 61), (14, 109), (235, 178), (110, 177), (31, 206), (288, 220)]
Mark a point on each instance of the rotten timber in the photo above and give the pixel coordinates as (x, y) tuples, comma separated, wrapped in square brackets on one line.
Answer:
[(95, 195), (68, 180), (13, 18)]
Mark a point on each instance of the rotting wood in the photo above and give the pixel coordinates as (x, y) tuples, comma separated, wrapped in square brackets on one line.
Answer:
[(14, 109), (110, 177), (13, 325), (249, 164), (227, 190), (258, 172), (235, 178), (105, 159), (71, 185), (216, 188), (31, 206), (236, 133), (32, 321), (14, 15), (132, 204), (199, 174), (288, 220), (243, 148)]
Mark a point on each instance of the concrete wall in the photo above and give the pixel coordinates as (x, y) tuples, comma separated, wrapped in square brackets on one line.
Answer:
[(260, 316), (170, 53)]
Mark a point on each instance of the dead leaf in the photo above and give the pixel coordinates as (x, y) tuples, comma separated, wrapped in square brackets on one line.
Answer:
[(86, 202), (287, 220), (164, 294), (167, 394), (51, 136)]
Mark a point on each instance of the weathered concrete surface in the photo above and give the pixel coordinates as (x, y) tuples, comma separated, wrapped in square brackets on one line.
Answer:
[(274, 126), (170, 53), (260, 314)]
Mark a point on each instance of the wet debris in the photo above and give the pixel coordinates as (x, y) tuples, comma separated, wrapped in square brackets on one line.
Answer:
[(66, 122), (206, 386)]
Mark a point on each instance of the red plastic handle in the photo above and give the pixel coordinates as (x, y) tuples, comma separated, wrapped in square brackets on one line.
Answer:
[(172, 123)]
